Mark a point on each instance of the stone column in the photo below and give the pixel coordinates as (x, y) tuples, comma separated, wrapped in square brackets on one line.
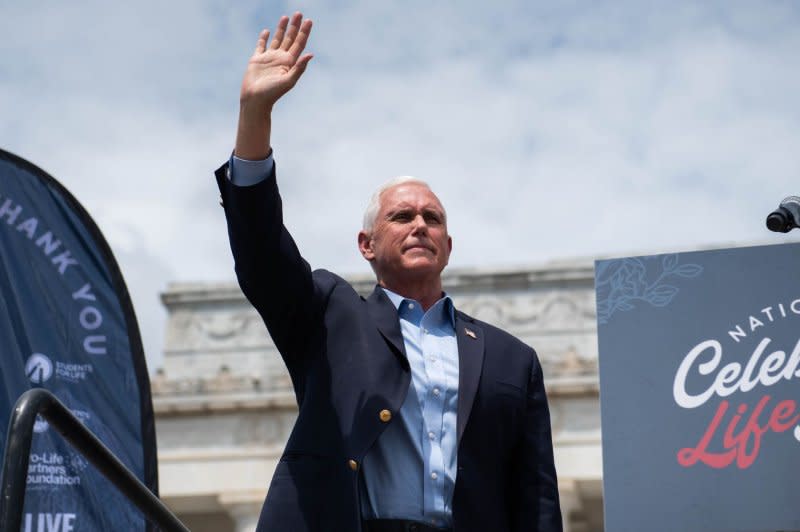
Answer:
[(244, 509), (570, 501)]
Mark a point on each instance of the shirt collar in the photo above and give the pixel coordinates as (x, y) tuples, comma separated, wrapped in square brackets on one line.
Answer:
[(446, 310)]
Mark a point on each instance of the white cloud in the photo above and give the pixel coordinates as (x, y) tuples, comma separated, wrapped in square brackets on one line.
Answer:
[(549, 130)]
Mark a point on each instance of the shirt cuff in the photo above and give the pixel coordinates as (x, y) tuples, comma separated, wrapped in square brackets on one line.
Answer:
[(244, 173)]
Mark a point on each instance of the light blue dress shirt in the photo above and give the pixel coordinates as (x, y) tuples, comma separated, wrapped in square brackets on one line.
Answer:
[(410, 472), (244, 173)]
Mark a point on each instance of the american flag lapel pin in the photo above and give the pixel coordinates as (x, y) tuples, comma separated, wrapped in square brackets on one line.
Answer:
[(470, 333)]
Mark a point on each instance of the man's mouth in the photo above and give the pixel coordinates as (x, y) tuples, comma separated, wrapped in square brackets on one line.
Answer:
[(418, 246)]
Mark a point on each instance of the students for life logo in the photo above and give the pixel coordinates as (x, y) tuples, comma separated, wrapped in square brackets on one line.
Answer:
[(39, 368)]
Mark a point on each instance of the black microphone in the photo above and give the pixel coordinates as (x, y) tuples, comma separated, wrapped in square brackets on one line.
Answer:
[(786, 217)]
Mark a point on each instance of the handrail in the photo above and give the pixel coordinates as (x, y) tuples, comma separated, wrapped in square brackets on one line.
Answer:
[(39, 401)]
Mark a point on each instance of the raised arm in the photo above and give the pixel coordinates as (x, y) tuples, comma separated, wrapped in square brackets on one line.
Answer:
[(269, 267), (271, 72)]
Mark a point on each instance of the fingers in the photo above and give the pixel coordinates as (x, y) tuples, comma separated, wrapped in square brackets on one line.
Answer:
[(301, 39), (261, 45), (291, 33), (299, 67), (303, 61), (280, 31)]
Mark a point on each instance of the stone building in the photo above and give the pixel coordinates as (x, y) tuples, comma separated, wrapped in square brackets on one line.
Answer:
[(224, 404)]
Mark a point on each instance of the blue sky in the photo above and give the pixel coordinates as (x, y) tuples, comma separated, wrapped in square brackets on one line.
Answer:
[(549, 130)]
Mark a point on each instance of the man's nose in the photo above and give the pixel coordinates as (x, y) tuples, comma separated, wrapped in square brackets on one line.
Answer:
[(420, 225)]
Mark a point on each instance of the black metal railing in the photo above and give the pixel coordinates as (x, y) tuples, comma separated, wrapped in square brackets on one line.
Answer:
[(18, 447)]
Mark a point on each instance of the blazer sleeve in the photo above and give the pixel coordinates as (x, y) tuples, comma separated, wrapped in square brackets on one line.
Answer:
[(271, 272), (537, 506)]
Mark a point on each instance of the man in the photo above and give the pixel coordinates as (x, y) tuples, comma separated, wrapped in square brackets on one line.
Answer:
[(412, 415)]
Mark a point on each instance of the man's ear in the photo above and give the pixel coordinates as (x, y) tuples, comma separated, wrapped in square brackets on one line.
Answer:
[(449, 249), (365, 246)]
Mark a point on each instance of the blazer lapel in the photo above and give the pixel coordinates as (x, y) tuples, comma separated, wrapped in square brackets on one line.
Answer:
[(470, 361), (469, 337), (385, 317)]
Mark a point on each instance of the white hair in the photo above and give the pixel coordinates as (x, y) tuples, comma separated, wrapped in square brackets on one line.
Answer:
[(374, 205)]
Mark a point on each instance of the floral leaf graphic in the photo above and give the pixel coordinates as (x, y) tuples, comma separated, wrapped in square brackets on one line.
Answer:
[(660, 296), (617, 279), (600, 270), (624, 305), (634, 263), (669, 262), (688, 270), (621, 283)]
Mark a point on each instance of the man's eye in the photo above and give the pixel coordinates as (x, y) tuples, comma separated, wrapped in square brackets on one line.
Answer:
[(402, 217), (432, 218)]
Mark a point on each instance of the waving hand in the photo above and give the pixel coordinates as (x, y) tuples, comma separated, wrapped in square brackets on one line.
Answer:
[(272, 71)]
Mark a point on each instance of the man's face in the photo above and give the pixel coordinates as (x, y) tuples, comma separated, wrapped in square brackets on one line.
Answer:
[(409, 240)]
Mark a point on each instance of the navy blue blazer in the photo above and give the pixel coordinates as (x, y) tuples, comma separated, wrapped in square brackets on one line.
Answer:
[(346, 358)]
